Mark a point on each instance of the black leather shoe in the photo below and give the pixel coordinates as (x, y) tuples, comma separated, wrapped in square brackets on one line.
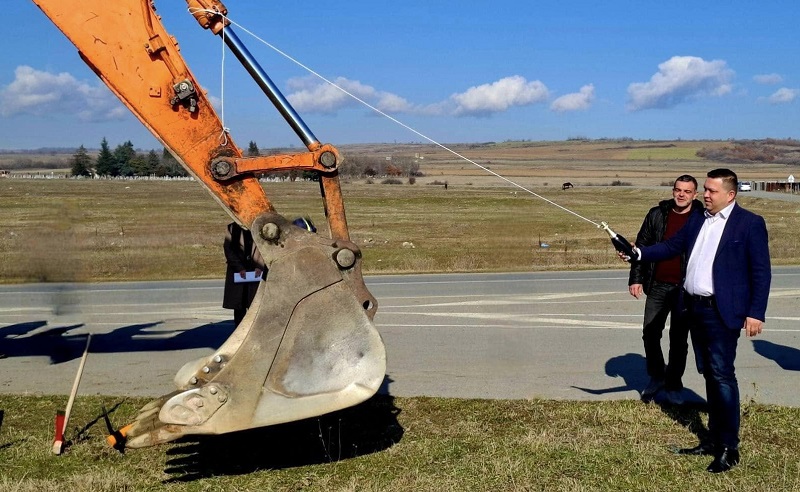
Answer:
[(724, 461), (702, 449)]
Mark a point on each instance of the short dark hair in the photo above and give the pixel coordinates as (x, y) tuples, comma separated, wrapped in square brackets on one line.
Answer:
[(728, 177), (686, 178)]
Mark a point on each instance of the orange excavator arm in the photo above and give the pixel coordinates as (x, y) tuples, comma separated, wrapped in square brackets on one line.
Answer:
[(307, 345), (125, 44)]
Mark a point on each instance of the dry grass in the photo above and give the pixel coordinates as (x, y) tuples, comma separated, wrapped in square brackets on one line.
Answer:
[(79, 230), (87, 230), (643, 163), (407, 444)]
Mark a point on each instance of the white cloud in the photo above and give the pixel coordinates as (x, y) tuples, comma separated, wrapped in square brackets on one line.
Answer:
[(42, 93), (679, 79), (768, 79), (783, 95), (215, 101), (311, 95), (576, 101), (499, 96), (392, 103)]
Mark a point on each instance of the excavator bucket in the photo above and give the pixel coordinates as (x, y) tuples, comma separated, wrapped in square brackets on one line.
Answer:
[(307, 346)]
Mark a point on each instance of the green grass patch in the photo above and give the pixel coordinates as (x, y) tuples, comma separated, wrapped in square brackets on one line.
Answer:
[(405, 444), (666, 153)]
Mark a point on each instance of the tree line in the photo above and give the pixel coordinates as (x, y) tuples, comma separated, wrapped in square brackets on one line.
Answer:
[(367, 166), (124, 160)]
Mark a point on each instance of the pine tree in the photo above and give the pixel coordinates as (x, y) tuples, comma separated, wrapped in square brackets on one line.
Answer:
[(170, 166), (105, 160), (81, 162), (145, 164), (123, 159), (252, 150), (138, 165), (152, 163)]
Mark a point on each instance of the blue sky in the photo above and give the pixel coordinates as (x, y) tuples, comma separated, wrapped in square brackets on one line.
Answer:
[(453, 71)]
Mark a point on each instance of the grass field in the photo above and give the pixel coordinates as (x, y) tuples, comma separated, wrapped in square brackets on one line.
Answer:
[(406, 444), (663, 154), (93, 230)]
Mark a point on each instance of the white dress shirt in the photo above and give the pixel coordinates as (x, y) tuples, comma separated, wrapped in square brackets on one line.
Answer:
[(699, 271)]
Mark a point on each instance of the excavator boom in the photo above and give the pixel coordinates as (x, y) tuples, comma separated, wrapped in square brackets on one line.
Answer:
[(126, 45), (307, 345)]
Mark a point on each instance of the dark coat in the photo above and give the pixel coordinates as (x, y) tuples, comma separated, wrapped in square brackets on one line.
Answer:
[(741, 270), (652, 232), (240, 254)]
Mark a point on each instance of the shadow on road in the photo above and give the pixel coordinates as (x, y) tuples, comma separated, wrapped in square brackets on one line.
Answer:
[(788, 358), (363, 429), (632, 368), (60, 345)]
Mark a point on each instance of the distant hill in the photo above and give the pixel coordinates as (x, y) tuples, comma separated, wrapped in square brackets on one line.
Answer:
[(42, 150), (774, 151)]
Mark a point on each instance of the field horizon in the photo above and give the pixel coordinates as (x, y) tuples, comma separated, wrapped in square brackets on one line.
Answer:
[(543, 163)]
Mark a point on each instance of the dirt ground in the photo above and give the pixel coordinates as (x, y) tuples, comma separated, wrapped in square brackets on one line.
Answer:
[(550, 164)]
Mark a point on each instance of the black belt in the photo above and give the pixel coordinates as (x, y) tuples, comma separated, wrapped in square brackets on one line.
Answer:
[(709, 301)]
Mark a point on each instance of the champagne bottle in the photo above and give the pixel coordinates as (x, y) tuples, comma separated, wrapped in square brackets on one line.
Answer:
[(620, 243)]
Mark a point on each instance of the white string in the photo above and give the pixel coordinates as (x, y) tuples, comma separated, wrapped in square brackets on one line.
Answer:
[(225, 130), (370, 106)]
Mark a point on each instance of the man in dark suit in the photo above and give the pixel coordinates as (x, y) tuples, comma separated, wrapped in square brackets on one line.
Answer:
[(241, 256), (725, 290)]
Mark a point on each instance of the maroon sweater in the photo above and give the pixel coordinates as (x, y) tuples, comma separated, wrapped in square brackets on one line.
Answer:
[(669, 271)]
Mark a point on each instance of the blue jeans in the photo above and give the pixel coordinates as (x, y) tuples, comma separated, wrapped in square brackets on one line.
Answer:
[(715, 350), (662, 300)]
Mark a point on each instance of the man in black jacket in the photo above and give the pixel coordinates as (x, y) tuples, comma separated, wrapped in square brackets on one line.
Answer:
[(661, 283), (242, 256)]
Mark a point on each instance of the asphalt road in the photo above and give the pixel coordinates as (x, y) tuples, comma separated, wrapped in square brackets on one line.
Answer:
[(554, 335)]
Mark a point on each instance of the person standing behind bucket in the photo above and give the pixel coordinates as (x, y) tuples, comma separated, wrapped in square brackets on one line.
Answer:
[(245, 269)]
